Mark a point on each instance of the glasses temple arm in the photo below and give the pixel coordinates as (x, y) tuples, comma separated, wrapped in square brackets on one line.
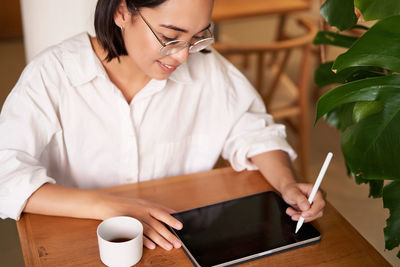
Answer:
[(148, 25)]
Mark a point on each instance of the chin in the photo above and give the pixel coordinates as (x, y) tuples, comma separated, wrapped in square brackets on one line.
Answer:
[(160, 77), (157, 75)]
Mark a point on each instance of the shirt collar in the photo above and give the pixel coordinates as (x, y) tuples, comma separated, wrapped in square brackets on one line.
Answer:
[(80, 61), (181, 74)]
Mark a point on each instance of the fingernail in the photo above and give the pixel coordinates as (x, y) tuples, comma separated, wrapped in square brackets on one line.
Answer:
[(305, 215), (177, 244), (168, 246), (304, 206)]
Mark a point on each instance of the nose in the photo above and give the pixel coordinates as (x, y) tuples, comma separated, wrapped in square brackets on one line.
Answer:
[(182, 55)]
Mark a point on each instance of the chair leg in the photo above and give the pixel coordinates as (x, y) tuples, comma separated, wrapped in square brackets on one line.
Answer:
[(320, 56), (304, 132), (279, 36), (260, 69), (272, 87)]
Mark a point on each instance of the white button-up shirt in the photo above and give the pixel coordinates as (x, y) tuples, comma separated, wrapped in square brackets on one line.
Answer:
[(65, 122)]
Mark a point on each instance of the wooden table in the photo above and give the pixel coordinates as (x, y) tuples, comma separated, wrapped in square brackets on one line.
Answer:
[(233, 9), (59, 241)]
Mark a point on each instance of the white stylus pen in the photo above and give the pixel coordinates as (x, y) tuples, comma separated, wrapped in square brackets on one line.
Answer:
[(315, 187)]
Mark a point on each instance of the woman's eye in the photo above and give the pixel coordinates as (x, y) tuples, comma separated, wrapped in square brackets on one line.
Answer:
[(201, 36), (168, 39), (197, 38)]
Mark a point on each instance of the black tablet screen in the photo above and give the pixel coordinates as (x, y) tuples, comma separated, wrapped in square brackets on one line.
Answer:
[(239, 229)]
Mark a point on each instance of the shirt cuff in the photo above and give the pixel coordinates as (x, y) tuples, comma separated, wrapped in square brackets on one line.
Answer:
[(13, 203), (241, 159)]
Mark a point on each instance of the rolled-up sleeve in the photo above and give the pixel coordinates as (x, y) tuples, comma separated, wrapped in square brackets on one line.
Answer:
[(253, 131), (27, 124), (21, 175), (252, 135)]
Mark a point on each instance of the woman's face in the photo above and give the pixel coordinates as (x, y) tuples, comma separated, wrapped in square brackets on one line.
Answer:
[(172, 20)]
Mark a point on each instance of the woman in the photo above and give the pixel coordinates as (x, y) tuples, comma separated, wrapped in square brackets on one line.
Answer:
[(132, 104)]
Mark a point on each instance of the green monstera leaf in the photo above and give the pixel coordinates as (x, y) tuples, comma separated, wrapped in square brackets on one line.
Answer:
[(391, 200), (371, 143), (332, 38), (357, 91), (371, 147), (341, 117), (373, 9), (347, 18), (365, 109), (379, 46), (325, 76)]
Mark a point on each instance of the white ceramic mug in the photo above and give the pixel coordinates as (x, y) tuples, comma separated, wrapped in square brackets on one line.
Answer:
[(120, 241)]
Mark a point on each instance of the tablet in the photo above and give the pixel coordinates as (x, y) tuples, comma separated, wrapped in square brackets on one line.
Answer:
[(240, 230)]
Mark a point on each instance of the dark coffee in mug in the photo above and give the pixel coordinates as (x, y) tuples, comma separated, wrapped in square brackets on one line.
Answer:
[(120, 239)]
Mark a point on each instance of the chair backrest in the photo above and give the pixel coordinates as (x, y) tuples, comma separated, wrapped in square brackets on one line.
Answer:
[(279, 52), (48, 22)]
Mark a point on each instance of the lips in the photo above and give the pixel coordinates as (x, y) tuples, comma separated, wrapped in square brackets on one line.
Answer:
[(166, 67)]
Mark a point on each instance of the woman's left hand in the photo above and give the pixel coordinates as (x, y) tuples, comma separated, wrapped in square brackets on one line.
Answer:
[(296, 195)]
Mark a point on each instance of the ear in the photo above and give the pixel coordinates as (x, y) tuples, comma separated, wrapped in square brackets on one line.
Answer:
[(122, 15)]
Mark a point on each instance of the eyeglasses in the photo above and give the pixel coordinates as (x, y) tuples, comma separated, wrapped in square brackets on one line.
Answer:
[(175, 46)]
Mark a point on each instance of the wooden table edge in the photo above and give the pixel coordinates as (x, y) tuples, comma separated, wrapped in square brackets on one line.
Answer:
[(28, 246)]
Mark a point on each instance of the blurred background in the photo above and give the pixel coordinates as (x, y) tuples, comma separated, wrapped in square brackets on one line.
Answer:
[(365, 214)]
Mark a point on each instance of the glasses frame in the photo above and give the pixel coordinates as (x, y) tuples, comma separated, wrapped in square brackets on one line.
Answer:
[(187, 44)]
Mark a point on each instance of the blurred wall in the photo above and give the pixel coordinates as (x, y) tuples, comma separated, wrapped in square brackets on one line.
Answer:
[(48, 22), (10, 20), (11, 48)]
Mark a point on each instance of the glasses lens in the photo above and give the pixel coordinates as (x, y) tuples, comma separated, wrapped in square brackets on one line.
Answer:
[(176, 46), (200, 45), (173, 47)]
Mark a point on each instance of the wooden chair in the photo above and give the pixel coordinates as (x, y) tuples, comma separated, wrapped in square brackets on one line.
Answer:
[(286, 100)]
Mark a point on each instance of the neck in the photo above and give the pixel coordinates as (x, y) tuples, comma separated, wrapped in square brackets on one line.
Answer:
[(125, 73)]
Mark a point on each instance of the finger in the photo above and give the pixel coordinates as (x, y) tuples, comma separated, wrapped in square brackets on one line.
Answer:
[(295, 217), (316, 207), (164, 208), (148, 243), (155, 205), (307, 188), (166, 218), (314, 217), (294, 214), (299, 197), (165, 233), (155, 237), (291, 211)]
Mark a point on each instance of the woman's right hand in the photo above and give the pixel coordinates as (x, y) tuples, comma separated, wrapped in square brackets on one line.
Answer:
[(151, 215), (56, 200)]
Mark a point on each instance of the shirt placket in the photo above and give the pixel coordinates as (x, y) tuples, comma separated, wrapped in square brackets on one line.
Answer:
[(137, 110), (130, 159)]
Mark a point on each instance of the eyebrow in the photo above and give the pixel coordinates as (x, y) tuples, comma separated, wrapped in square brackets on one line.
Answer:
[(172, 27)]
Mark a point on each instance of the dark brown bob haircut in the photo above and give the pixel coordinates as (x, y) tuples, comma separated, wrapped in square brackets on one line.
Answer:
[(108, 34)]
